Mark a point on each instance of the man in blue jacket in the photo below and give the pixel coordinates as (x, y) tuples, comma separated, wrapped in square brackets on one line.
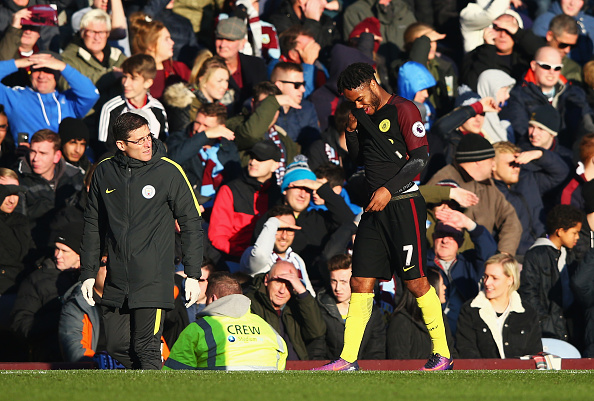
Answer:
[(42, 106)]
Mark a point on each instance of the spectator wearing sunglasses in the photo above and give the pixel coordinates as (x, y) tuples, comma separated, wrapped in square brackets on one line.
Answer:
[(582, 52), (544, 84), (301, 124), (524, 178), (273, 244)]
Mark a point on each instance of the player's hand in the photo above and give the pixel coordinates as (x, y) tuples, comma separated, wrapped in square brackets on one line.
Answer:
[(219, 131), (379, 200), (528, 156), (286, 101), (463, 197), (87, 290), (352, 124), (192, 291)]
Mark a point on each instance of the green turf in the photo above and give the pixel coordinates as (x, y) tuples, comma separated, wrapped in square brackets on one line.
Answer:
[(301, 386)]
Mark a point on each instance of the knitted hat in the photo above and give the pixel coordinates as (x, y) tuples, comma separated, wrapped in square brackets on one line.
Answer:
[(70, 235), (473, 148), (73, 128), (466, 97), (298, 170), (547, 118), (231, 29), (588, 195), (443, 230)]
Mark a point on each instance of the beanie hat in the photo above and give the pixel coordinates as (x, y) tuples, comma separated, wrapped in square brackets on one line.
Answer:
[(70, 235), (371, 25), (73, 128), (466, 96), (474, 148), (547, 118), (588, 195), (298, 170), (443, 230)]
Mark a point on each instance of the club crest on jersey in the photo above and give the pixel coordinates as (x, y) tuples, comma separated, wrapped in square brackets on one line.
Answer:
[(418, 129), (384, 126), (148, 191)]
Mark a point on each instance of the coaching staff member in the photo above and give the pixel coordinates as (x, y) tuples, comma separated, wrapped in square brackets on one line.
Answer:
[(386, 135), (134, 199)]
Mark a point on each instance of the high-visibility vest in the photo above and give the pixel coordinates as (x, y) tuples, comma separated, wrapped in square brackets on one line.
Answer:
[(227, 343)]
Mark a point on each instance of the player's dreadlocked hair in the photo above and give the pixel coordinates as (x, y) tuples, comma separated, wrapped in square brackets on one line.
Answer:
[(354, 76)]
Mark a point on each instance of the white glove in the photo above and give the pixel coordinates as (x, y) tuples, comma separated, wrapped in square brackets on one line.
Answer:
[(192, 291), (87, 290)]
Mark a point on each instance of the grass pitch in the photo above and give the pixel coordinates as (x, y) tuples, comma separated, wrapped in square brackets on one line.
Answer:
[(95, 385)]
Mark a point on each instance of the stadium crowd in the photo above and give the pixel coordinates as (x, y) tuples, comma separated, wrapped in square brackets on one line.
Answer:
[(243, 96)]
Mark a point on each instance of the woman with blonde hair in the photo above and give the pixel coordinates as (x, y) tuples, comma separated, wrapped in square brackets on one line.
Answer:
[(496, 323), (153, 38), (209, 83)]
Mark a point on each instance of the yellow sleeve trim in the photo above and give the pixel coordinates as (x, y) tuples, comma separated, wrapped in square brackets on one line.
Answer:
[(183, 173)]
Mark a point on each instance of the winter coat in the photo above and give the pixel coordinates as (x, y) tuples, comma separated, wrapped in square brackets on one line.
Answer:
[(29, 111), (238, 205), (253, 71), (301, 125), (479, 337), (15, 245), (541, 287), (132, 206), (582, 283), (407, 338), (493, 211), (328, 150), (569, 100), (36, 311), (79, 328), (477, 16), (582, 52), (489, 83), (465, 273), (526, 196), (329, 347), (301, 317)]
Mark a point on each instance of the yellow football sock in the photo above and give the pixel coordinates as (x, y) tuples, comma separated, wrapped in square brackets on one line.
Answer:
[(433, 317), (356, 321)]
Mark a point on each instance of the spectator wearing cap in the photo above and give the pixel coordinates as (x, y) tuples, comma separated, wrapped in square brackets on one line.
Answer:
[(19, 41), (49, 180), (241, 202), (472, 171), (260, 123), (246, 71), (317, 226), (205, 149), (42, 106), (37, 307), (301, 122), (525, 178), (543, 128), (74, 136), (15, 240), (461, 271), (541, 85), (467, 118)]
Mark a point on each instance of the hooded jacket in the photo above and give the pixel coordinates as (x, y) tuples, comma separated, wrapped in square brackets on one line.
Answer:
[(541, 287), (227, 336), (412, 78), (131, 209), (29, 111), (489, 83), (479, 336)]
